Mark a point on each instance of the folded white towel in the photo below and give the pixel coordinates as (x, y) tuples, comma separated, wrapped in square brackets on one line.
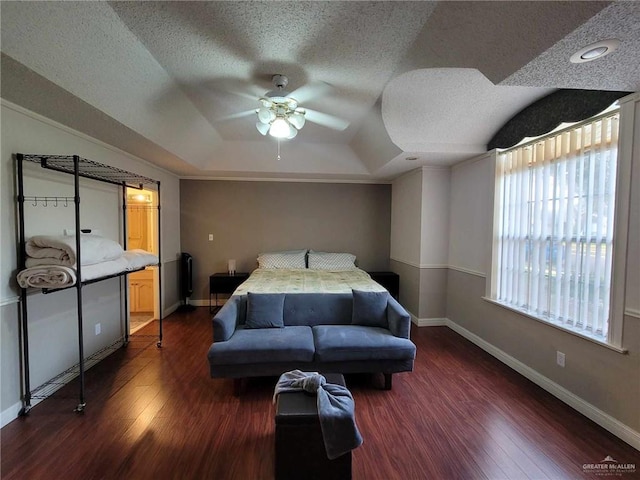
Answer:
[(53, 276), (61, 250)]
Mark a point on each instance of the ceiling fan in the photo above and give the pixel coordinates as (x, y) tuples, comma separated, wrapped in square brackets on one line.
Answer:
[(280, 115)]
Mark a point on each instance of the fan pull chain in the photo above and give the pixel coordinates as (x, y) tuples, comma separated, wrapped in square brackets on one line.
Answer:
[(278, 149)]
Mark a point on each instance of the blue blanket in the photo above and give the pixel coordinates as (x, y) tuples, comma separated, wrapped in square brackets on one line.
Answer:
[(335, 409)]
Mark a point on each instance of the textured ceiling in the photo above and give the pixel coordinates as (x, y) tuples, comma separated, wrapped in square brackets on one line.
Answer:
[(214, 49), (617, 71), (467, 105), (434, 80)]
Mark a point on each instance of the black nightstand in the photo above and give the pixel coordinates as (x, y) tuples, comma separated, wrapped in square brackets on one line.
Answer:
[(389, 280), (224, 283)]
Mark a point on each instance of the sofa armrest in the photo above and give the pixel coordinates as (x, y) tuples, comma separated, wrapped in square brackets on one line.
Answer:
[(398, 318), (225, 321)]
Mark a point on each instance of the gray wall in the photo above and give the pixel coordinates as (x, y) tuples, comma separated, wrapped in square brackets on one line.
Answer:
[(52, 318), (604, 378), (423, 292), (420, 241), (247, 218), (171, 284)]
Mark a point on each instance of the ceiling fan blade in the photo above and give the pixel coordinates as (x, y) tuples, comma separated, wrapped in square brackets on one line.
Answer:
[(325, 119), (238, 87), (249, 95), (233, 116), (310, 91)]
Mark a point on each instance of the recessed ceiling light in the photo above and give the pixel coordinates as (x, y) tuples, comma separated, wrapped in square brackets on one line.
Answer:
[(411, 158), (595, 51)]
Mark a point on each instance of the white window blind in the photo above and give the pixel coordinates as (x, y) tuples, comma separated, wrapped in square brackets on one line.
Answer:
[(555, 226)]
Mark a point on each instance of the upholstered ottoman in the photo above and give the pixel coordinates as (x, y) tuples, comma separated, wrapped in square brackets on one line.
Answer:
[(300, 450)]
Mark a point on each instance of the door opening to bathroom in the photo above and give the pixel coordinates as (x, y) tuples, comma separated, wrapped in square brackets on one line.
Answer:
[(142, 233)]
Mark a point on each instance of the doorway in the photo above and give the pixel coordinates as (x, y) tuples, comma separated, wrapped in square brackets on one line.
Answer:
[(142, 233)]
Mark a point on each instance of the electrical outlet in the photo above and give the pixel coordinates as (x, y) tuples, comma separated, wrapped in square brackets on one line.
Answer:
[(211, 237), (560, 358), (98, 329)]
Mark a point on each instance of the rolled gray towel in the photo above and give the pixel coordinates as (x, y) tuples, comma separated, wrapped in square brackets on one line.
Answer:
[(297, 380)]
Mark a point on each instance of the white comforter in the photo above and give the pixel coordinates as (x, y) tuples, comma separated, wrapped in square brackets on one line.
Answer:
[(61, 250), (308, 280)]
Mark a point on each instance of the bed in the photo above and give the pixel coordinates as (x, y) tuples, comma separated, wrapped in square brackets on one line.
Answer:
[(307, 271), (306, 280), (51, 261)]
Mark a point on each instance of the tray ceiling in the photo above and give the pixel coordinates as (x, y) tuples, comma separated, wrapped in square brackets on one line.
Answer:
[(434, 80)]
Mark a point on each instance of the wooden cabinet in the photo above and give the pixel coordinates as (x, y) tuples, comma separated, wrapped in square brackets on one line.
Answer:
[(141, 291)]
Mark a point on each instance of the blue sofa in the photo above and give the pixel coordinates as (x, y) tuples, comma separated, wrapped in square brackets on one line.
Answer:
[(318, 334)]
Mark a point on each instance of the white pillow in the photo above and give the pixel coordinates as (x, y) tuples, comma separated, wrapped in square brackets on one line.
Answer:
[(331, 261), (288, 259)]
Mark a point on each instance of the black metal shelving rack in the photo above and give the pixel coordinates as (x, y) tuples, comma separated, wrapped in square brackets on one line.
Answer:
[(80, 168)]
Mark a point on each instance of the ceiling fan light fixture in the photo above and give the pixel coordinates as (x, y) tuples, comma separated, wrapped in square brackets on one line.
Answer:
[(292, 133), (277, 96), (263, 128), (266, 115), (297, 120), (278, 113), (280, 128)]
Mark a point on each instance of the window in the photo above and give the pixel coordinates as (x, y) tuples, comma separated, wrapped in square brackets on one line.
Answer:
[(554, 233)]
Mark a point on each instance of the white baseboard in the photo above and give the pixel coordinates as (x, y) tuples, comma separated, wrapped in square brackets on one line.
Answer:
[(205, 302), (606, 421), (10, 414), (428, 322)]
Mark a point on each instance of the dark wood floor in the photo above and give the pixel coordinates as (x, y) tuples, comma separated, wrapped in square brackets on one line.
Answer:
[(156, 414)]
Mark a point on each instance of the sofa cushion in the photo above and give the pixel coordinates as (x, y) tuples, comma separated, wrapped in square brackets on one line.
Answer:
[(268, 345), (335, 343), (370, 309), (318, 309), (265, 310)]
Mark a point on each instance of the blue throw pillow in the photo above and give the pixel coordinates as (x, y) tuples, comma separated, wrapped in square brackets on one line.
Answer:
[(370, 309), (265, 310)]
